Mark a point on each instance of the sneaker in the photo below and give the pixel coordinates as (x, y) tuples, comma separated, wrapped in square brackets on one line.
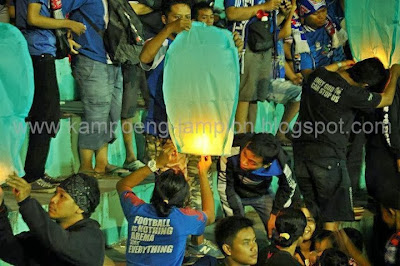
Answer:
[(41, 186), (133, 166), (190, 260), (206, 248), (51, 180)]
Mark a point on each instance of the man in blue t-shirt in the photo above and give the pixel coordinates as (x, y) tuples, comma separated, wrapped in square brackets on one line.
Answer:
[(33, 18), (244, 178), (256, 66), (322, 34), (99, 83)]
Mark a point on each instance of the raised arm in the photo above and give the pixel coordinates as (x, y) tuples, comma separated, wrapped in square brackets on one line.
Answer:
[(388, 93), (245, 13), (207, 199)]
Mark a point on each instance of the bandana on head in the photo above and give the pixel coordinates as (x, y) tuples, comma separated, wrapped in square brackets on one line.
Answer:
[(84, 190), (308, 7)]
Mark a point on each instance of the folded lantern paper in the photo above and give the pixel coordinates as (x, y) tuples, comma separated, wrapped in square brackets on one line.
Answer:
[(201, 86)]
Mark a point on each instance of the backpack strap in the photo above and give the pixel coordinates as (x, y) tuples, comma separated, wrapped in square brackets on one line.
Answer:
[(99, 32)]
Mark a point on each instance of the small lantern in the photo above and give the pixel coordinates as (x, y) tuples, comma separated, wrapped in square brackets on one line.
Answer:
[(201, 87), (374, 29), (16, 92)]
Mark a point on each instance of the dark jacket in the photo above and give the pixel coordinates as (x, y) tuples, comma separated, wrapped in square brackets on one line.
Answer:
[(47, 243)]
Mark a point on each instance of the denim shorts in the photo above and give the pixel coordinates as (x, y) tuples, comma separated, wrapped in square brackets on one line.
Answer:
[(100, 88), (134, 81)]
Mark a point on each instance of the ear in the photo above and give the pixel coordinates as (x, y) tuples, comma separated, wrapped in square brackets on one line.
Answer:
[(365, 85), (164, 19), (227, 249)]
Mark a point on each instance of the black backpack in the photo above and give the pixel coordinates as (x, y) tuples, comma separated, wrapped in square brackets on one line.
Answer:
[(122, 38)]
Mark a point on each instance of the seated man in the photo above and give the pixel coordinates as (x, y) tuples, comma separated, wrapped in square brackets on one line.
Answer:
[(73, 240), (245, 178), (236, 238)]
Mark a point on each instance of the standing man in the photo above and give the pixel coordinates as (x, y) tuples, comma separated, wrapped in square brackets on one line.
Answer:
[(256, 66), (327, 110)]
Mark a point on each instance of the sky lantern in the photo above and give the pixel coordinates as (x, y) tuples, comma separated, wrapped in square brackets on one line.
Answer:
[(374, 29), (201, 87), (16, 94)]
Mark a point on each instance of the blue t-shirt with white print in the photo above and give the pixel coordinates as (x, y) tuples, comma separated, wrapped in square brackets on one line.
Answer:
[(40, 41), (155, 240), (91, 41)]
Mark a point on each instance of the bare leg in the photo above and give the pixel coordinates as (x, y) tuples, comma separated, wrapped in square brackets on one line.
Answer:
[(291, 109), (241, 117), (86, 157), (252, 117), (197, 240), (102, 159), (127, 133)]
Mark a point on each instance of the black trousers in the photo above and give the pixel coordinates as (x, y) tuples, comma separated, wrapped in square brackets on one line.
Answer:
[(44, 116)]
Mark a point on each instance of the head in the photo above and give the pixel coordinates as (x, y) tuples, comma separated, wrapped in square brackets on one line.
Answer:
[(324, 240), (368, 73), (175, 9), (236, 238), (77, 196), (391, 217), (313, 12), (355, 237), (170, 189), (290, 224), (389, 199), (259, 152), (311, 224), (333, 257), (203, 12)]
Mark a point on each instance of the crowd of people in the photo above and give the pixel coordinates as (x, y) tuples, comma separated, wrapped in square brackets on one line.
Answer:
[(291, 52)]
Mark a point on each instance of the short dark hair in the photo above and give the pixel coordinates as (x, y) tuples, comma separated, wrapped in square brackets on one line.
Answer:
[(264, 145), (333, 257), (170, 190), (292, 222), (201, 5), (355, 237), (227, 229), (167, 5), (370, 71)]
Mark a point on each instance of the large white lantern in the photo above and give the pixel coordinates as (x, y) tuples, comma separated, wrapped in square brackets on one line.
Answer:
[(201, 86)]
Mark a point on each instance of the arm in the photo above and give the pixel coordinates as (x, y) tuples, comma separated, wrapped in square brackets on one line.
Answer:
[(11, 250), (296, 79), (339, 65), (245, 13), (207, 199), (75, 247), (286, 29), (351, 249), (151, 48), (35, 19), (388, 93), (140, 9), (168, 155)]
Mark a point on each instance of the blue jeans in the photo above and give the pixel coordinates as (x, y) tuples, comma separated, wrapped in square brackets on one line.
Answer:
[(100, 87)]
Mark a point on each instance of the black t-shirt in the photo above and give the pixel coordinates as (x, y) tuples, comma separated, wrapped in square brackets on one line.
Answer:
[(282, 258), (327, 110)]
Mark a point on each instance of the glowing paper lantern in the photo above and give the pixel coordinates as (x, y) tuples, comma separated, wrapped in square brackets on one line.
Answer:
[(201, 86), (16, 94), (374, 29)]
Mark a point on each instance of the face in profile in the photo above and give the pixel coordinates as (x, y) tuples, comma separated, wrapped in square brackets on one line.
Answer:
[(244, 249), (62, 206), (311, 225), (317, 19), (206, 15)]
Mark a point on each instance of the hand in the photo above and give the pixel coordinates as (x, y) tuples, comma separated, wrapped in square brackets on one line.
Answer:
[(286, 8), (168, 155), (298, 79), (77, 27), (271, 224), (395, 69), (238, 41), (21, 188), (271, 5), (1, 196), (204, 164), (179, 25), (398, 165), (72, 44)]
